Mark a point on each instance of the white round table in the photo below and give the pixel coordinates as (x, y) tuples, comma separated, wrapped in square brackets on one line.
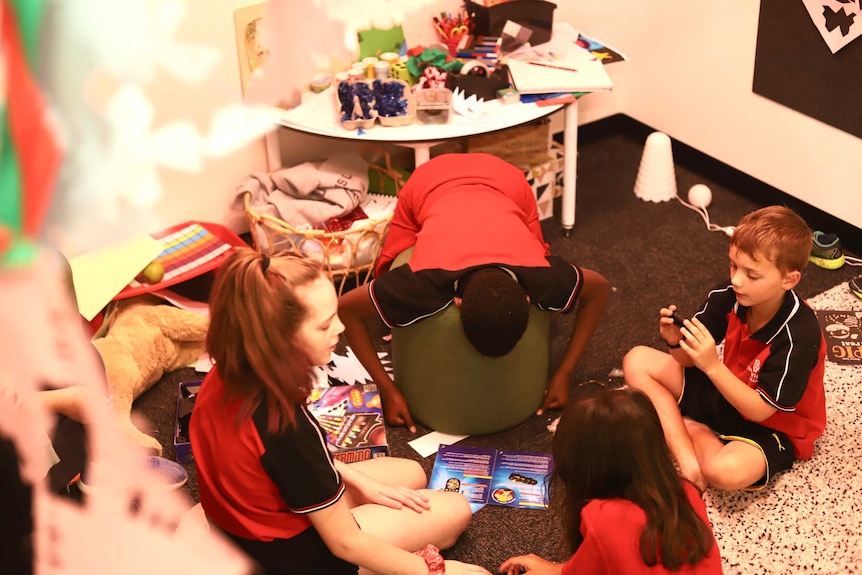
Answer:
[(319, 116)]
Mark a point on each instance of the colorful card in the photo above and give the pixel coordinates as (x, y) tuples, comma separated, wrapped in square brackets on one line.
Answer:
[(352, 417), (606, 54), (483, 475)]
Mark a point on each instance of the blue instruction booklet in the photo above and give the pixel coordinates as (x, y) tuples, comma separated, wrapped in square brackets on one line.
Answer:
[(483, 475)]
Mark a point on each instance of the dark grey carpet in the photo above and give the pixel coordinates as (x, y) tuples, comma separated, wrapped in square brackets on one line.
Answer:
[(653, 255)]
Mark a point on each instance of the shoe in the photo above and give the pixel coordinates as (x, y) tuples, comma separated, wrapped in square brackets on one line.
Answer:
[(826, 251), (856, 286)]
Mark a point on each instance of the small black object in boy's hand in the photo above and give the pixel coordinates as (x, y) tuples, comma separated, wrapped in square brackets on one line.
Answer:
[(676, 320)]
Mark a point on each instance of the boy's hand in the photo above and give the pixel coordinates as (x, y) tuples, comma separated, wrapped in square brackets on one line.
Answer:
[(395, 410), (556, 394), (699, 344), (666, 328)]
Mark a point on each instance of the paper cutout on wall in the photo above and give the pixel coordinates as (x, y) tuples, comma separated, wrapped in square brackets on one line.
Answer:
[(838, 21), (792, 68), (251, 40), (373, 42)]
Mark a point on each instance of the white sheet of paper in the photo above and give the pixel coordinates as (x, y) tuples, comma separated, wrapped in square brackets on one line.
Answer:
[(429, 444), (182, 302), (203, 364)]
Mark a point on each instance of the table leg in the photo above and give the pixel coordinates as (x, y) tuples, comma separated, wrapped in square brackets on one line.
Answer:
[(273, 151), (421, 151), (570, 166)]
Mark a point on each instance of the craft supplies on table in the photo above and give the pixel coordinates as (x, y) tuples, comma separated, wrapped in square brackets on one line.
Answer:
[(188, 250), (433, 105)]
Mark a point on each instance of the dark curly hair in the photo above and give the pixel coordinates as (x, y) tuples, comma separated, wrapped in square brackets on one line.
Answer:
[(494, 311)]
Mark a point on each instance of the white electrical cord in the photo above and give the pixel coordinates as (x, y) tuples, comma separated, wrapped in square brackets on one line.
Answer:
[(728, 230)]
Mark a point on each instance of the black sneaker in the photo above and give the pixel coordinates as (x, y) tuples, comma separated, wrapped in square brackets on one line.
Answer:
[(826, 251), (856, 286)]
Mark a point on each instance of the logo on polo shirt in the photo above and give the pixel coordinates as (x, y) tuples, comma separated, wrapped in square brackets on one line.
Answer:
[(754, 372)]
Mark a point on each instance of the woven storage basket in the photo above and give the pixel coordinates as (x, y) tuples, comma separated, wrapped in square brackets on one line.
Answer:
[(522, 146), (351, 253)]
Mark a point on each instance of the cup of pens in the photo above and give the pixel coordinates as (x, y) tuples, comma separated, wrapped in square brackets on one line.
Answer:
[(452, 45), (452, 30)]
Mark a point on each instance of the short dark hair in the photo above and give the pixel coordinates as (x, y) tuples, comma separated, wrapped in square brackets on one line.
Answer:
[(494, 311)]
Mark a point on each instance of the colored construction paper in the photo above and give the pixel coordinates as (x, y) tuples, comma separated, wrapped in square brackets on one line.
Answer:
[(374, 42), (101, 274)]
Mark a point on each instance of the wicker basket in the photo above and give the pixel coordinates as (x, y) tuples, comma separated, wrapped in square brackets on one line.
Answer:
[(351, 253), (522, 145)]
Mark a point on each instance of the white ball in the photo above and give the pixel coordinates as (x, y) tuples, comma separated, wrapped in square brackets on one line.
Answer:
[(700, 196)]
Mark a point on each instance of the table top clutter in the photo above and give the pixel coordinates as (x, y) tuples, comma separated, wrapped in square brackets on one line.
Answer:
[(319, 115), (481, 36), (401, 98)]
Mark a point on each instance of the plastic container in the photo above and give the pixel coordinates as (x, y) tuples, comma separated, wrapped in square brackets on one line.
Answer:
[(433, 105), (170, 474)]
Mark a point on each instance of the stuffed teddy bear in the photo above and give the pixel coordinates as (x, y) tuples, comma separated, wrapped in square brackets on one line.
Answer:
[(145, 339)]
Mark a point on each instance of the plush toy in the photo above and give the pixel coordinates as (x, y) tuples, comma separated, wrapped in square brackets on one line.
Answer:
[(145, 339)]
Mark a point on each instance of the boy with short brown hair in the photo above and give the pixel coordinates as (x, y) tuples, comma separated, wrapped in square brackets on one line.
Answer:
[(735, 423)]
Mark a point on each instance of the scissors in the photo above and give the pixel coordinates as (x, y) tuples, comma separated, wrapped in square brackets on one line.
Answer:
[(458, 31)]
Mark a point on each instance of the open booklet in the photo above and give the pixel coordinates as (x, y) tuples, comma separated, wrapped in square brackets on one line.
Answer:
[(482, 475), (842, 330)]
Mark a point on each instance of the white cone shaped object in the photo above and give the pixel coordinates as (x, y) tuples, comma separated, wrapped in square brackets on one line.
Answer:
[(656, 181)]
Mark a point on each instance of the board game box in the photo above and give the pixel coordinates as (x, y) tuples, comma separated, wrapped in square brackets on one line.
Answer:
[(186, 394), (352, 417)]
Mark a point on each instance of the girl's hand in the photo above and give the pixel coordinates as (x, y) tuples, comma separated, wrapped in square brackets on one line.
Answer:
[(366, 490), (458, 568), (699, 344), (396, 497), (531, 564)]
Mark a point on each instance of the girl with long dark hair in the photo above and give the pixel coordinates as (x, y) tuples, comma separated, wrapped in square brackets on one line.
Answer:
[(623, 504)]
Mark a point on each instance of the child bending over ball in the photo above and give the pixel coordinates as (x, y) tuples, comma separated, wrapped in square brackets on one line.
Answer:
[(473, 224)]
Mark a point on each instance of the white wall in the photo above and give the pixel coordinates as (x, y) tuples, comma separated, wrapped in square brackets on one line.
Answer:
[(689, 74), (204, 195), (318, 46)]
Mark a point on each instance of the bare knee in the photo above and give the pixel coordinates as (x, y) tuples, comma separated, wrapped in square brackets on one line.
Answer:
[(730, 471), (722, 474), (457, 512), (415, 475), (635, 362)]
